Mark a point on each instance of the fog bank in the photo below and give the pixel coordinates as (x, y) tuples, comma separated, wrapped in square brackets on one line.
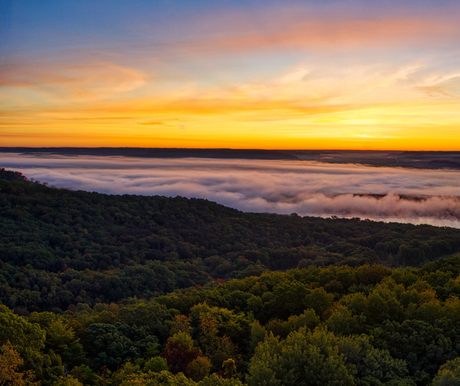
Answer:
[(284, 187)]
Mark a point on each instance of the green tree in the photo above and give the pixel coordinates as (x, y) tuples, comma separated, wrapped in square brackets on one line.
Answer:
[(215, 380), (448, 374), (156, 365), (28, 339), (373, 366), (258, 334), (342, 322), (111, 345), (303, 359), (60, 337)]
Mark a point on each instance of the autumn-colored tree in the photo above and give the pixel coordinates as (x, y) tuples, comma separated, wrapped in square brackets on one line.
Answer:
[(229, 368), (179, 352), (181, 324), (198, 369), (208, 331), (10, 372)]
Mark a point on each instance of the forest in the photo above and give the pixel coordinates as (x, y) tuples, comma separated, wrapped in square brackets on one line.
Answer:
[(133, 290)]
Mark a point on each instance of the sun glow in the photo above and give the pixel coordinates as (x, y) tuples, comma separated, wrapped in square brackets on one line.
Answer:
[(255, 86)]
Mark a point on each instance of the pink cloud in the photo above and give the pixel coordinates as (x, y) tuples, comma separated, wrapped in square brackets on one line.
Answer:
[(320, 27), (85, 79)]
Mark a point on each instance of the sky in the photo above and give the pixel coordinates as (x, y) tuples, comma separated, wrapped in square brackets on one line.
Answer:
[(329, 74), (283, 187)]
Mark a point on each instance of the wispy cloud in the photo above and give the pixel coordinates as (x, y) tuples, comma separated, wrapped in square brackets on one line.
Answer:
[(80, 80), (334, 33), (344, 25), (262, 186)]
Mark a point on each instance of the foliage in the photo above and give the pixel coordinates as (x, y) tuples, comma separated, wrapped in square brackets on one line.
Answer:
[(448, 374), (60, 248), (304, 358), (10, 368), (156, 365), (124, 290), (114, 344), (179, 352), (198, 369)]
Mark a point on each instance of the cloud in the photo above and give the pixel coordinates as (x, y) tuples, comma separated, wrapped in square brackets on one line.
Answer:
[(262, 186), (151, 123), (337, 27), (335, 34), (80, 80), (446, 84)]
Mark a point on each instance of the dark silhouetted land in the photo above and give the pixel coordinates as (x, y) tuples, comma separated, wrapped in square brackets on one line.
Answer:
[(405, 159)]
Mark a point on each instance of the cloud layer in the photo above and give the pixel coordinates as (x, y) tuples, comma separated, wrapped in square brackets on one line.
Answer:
[(281, 187)]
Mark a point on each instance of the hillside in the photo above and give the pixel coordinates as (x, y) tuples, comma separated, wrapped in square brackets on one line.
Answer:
[(106, 290), (56, 244)]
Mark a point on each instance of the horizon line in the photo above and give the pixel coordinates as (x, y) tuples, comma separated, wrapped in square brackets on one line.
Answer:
[(226, 148)]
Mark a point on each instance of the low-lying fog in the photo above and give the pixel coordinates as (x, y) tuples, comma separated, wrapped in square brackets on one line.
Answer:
[(305, 188)]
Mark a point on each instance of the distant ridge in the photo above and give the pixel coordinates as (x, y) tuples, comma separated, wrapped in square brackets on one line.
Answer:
[(156, 152), (404, 159)]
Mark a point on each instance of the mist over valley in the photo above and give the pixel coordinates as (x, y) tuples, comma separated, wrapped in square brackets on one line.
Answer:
[(305, 187)]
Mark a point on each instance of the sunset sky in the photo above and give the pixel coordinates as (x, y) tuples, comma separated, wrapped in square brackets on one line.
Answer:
[(237, 74)]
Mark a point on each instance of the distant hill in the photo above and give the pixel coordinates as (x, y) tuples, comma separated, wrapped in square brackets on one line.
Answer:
[(157, 152), (406, 159)]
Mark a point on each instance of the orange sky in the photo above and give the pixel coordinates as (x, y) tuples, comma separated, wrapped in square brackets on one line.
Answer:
[(274, 77)]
